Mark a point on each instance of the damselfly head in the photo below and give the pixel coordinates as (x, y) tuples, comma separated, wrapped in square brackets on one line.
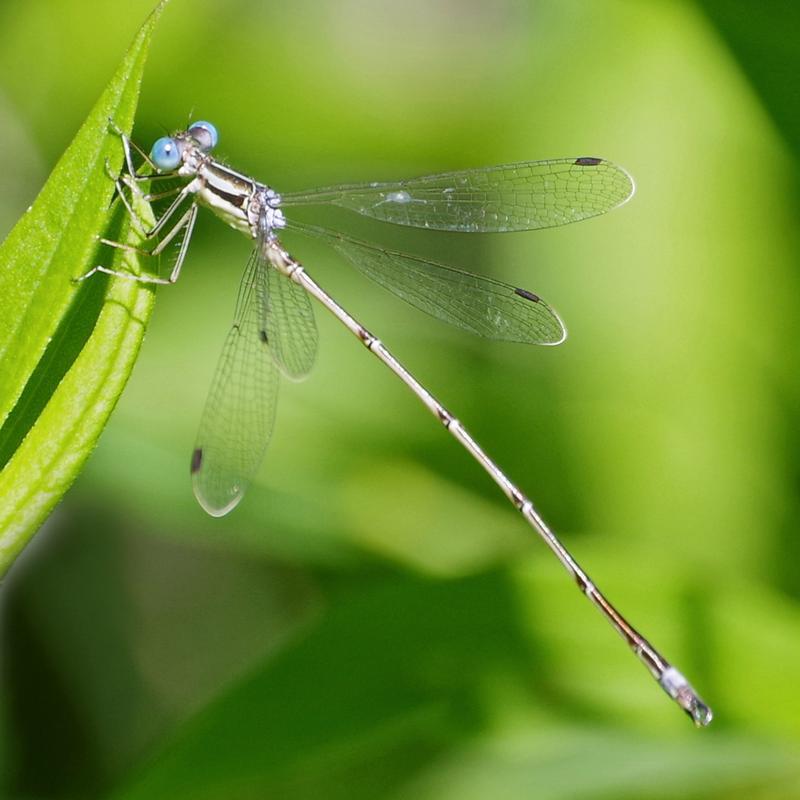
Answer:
[(167, 153), (204, 134)]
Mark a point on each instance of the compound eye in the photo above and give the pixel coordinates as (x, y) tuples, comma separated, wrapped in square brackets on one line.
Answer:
[(166, 154), (205, 134)]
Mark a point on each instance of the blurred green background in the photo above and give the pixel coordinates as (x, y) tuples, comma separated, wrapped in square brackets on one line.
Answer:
[(374, 620)]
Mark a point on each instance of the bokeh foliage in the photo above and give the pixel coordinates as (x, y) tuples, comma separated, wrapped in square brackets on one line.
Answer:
[(374, 621)]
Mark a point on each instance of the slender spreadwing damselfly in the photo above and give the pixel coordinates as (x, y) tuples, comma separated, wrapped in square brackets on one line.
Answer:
[(274, 331)]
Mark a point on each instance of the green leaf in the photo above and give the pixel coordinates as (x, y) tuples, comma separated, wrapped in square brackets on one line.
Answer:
[(66, 348), (389, 677)]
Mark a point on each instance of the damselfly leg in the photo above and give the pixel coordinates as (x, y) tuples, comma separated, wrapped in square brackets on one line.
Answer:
[(180, 231)]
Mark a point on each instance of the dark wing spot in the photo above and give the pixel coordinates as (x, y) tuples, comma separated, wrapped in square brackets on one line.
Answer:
[(588, 161), (197, 460), (262, 334), (534, 298)]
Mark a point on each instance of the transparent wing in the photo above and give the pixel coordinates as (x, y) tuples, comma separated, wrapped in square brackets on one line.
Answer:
[(514, 197), (290, 326), (483, 306), (239, 414)]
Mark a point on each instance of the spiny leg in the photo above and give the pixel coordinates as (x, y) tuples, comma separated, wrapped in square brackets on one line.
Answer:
[(127, 144), (186, 222), (132, 179)]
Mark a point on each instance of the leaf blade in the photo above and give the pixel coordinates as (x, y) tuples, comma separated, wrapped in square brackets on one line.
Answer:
[(55, 241)]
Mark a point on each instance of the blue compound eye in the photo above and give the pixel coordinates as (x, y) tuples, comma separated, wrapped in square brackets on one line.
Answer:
[(166, 154), (205, 134)]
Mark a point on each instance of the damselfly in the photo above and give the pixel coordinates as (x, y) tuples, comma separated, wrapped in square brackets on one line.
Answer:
[(274, 331)]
